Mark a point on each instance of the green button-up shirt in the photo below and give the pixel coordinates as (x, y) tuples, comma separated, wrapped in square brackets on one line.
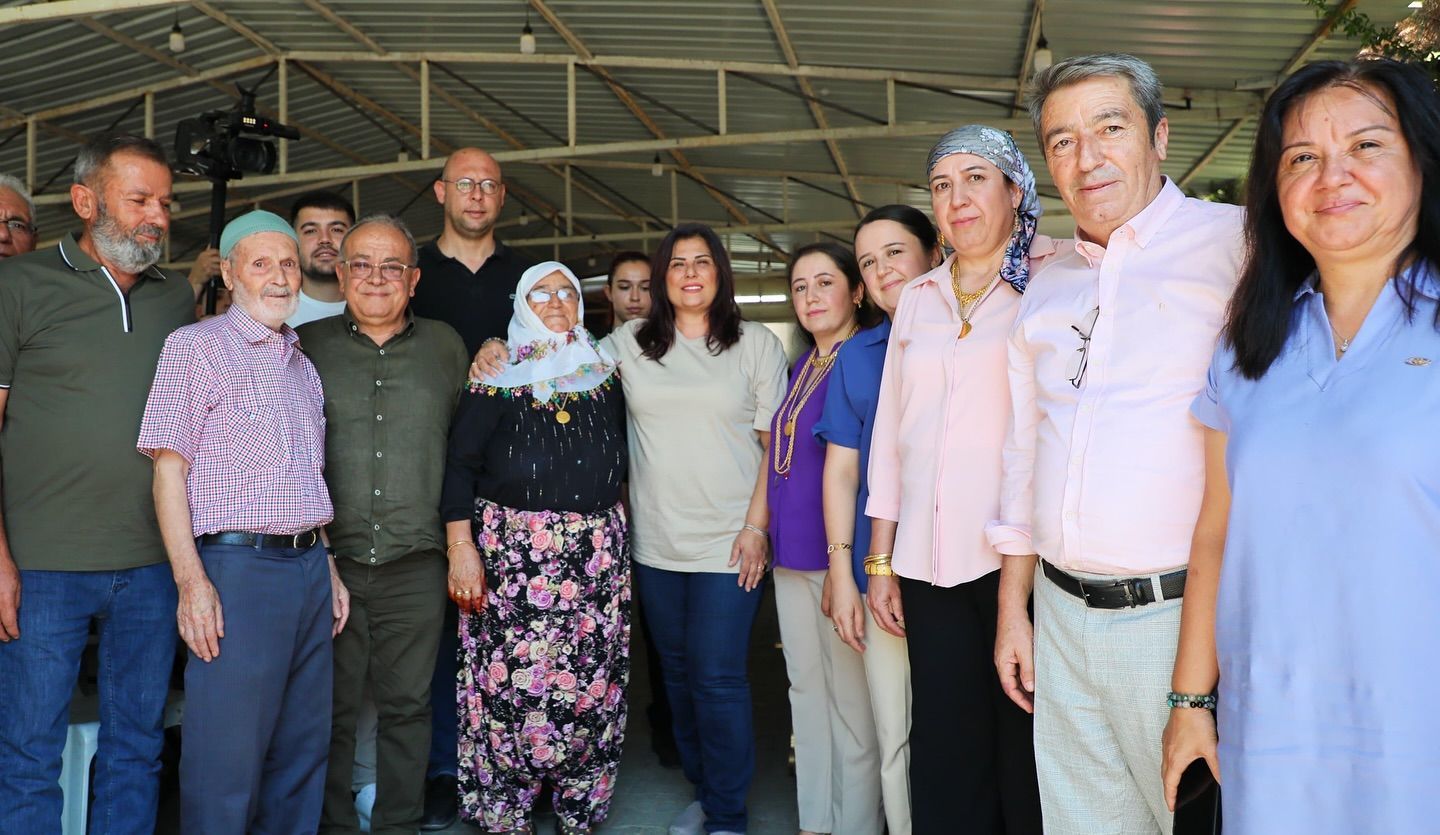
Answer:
[(77, 355), (387, 412)]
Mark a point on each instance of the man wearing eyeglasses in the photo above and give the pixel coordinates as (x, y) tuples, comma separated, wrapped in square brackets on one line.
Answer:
[(391, 383), (1105, 467), (470, 279), (17, 218)]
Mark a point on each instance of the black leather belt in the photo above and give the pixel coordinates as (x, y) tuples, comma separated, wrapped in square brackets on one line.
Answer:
[(303, 540), (1121, 593)]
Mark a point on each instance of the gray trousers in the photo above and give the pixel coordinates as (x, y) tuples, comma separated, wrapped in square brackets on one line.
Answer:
[(256, 731), (1101, 678)]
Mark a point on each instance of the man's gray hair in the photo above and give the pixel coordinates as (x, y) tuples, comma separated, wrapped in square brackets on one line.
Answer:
[(1144, 84), (384, 219), (14, 184), (98, 151)]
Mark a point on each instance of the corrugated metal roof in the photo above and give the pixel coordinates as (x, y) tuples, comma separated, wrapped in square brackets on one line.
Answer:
[(1201, 49)]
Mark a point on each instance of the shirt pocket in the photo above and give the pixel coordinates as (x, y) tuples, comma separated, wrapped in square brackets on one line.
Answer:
[(256, 439)]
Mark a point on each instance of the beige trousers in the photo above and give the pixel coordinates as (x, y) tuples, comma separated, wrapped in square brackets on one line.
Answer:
[(887, 671), (837, 755)]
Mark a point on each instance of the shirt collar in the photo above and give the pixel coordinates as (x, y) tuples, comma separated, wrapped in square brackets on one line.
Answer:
[(1142, 227), (875, 335), (352, 327), (252, 331), (80, 261)]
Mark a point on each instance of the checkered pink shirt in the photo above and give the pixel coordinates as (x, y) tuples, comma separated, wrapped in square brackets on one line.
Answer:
[(245, 408)]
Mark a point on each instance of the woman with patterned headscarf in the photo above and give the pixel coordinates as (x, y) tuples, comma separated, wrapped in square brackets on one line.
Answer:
[(540, 567), (935, 482)]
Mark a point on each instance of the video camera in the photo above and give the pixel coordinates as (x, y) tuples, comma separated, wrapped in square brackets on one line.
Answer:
[(215, 145)]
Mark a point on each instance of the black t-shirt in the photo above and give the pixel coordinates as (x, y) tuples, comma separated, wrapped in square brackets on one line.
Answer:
[(505, 448), (478, 305)]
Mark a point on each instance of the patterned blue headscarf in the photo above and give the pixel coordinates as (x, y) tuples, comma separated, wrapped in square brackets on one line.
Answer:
[(1000, 150)]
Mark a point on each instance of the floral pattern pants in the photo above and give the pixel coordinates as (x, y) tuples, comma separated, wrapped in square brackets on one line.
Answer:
[(544, 666)]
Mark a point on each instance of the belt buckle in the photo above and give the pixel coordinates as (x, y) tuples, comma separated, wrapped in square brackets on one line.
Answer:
[(295, 539)]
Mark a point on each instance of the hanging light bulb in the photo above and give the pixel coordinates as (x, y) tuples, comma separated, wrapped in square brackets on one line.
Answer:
[(177, 37), (527, 36), (523, 219), (1043, 56), (656, 169)]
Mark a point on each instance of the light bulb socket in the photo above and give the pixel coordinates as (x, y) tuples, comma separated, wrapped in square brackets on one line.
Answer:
[(177, 38), (527, 40)]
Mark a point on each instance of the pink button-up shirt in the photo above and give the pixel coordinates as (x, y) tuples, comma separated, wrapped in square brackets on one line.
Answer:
[(940, 424), (1107, 477), (245, 408)]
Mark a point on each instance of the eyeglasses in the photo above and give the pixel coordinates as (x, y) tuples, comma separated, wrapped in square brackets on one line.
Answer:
[(465, 185), (1080, 360), (390, 270), (537, 296), (18, 226)]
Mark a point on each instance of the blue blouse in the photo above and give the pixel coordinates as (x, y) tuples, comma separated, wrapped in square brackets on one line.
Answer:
[(849, 417)]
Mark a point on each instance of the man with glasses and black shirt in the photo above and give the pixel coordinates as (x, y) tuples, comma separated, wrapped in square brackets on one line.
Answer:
[(469, 284), (17, 218), (1105, 466)]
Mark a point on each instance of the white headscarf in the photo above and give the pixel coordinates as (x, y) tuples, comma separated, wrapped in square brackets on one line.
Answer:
[(543, 360)]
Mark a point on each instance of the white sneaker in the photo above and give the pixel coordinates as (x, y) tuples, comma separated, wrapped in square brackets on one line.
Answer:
[(364, 805), (690, 821)]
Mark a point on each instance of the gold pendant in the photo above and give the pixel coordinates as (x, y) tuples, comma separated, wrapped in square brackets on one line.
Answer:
[(562, 417), (964, 329)]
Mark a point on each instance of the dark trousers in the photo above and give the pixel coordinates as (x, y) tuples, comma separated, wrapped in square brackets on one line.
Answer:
[(972, 751), (657, 713), (444, 711), (134, 610), (396, 610), (701, 625), (256, 733)]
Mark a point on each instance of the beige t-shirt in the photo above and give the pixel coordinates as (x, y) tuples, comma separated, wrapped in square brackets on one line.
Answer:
[(694, 454)]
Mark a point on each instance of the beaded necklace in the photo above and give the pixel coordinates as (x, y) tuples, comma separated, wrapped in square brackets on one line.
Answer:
[(812, 374)]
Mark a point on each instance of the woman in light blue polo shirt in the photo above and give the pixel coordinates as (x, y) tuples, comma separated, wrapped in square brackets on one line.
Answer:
[(893, 245)]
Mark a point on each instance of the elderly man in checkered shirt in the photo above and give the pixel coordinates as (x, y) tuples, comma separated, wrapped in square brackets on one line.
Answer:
[(236, 425)]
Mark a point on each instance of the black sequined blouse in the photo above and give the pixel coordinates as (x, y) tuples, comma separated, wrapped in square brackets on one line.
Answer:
[(506, 448)]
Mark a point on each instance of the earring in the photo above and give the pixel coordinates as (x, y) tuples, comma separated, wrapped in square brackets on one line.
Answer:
[(1016, 230), (943, 244)]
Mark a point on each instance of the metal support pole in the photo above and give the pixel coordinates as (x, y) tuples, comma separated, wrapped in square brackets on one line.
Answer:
[(30, 137), (283, 80), (785, 199), (355, 196), (890, 101), (424, 109), (724, 103), (571, 130), (149, 115), (674, 198), (569, 204)]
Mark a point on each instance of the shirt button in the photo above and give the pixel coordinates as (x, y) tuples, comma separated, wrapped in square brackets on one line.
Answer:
[(377, 527), (372, 550), (382, 352), (377, 382), (379, 417), (372, 559), (1069, 514), (379, 454), (377, 492)]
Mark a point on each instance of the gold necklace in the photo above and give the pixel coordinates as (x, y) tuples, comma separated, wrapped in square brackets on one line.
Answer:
[(963, 299), (812, 374)]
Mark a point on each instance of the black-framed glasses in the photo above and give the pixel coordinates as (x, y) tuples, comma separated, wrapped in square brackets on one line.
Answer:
[(538, 296), (18, 226), (1080, 360), (361, 270), (465, 185)]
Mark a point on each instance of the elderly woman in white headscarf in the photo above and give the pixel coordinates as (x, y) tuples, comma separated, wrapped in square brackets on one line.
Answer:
[(935, 470), (540, 567)]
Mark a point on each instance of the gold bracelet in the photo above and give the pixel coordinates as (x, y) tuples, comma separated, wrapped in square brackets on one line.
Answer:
[(838, 546), (457, 542), (877, 558), (881, 569)]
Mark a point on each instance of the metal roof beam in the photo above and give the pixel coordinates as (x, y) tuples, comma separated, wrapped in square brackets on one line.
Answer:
[(1032, 35), (592, 61), (41, 12), (1321, 33), (782, 37)]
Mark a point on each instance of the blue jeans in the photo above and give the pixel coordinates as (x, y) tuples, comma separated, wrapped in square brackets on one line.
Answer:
[(700, 623), (135, 613)]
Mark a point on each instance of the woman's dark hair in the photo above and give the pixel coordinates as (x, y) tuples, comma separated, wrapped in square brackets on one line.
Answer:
[(914, 221), (868, 315), (656, 334), (626, 257), (1258, 321)]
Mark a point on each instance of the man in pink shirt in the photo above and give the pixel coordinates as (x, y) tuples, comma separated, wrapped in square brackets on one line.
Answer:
[(1103, 465)]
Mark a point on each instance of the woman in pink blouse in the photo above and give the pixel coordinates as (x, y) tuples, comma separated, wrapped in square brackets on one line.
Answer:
[(935, 481)]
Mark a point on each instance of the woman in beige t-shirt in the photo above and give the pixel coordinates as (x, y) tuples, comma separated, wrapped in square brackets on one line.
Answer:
[(701, 386)]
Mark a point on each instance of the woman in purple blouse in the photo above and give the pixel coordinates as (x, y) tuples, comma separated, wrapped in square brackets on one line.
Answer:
[(836, 769)]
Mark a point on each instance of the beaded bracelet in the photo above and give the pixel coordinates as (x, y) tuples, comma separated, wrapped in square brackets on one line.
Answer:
[(1206, 702), (753, 529)]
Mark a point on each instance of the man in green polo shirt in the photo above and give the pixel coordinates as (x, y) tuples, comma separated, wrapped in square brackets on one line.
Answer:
[(81, 327), (391, 383)]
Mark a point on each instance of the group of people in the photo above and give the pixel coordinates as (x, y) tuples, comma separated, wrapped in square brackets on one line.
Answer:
[(1048, 521)]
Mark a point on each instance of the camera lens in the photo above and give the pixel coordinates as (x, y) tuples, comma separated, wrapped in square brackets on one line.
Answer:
[(255, 156)]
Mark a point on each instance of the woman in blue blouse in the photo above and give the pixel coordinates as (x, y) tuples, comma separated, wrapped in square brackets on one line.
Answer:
[(893, 245), (1316, 557)]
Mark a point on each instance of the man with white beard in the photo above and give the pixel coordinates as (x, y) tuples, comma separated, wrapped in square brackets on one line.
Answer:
[(81, 326), (236, 425)]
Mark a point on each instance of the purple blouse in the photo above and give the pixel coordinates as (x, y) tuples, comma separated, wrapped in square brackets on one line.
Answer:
[(797, 520)]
